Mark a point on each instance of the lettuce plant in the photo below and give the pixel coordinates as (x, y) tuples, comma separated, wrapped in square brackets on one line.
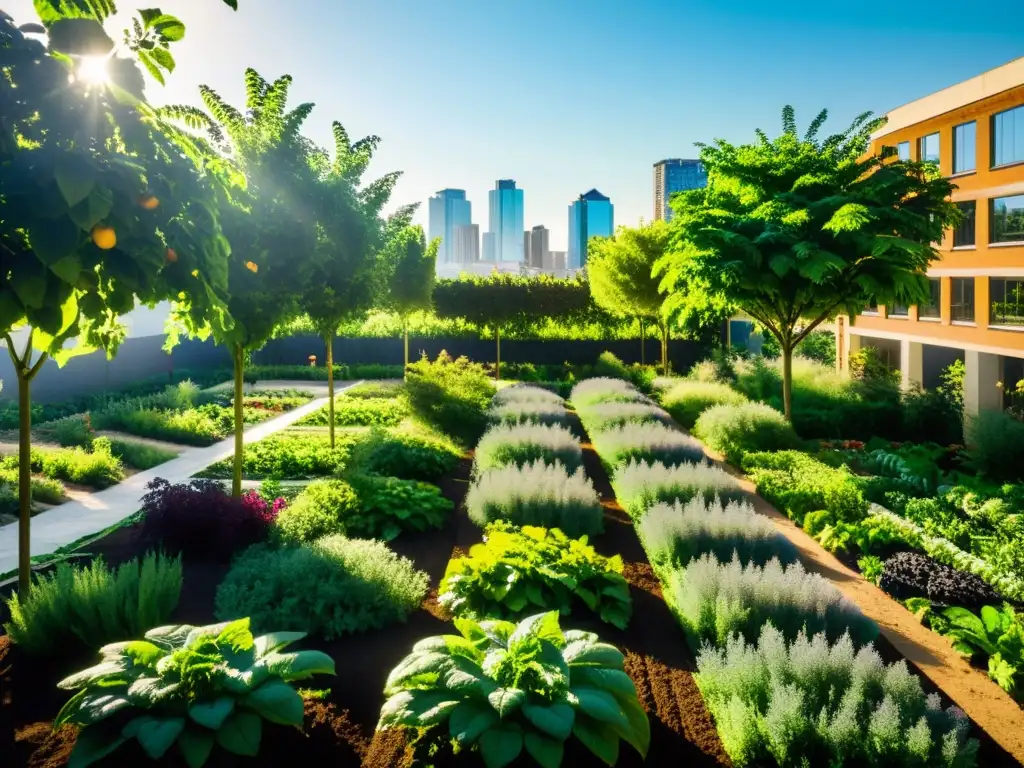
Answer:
[(520, 570), (640, 485), (500, 688), (190, 687), (996, 634)]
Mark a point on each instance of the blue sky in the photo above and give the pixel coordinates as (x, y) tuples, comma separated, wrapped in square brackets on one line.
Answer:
[(565, 95)]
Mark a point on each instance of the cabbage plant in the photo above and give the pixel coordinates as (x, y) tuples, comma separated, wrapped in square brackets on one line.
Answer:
[(194, 687), (500, 688)]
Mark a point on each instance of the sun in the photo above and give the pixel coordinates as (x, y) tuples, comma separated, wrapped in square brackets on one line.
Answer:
[(92, 70)]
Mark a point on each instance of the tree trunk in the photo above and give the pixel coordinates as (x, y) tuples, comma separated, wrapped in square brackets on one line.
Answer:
[(664, 350), (24, 478), (236, 476), (787, 379), (497, 366), (329, 341), (643, 357), (405, 339)]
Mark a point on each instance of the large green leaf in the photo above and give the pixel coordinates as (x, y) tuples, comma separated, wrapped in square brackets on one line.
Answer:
[(277, 702), (500, 746), (396, 710), (546, 751), (275, 641), (212, 714), (104, 669), (241, 733), (506, 700), (600, 705), (75, 177), (419, 667), (299, 666), (10, 309), (614, 681), (96, 707), (92, 745), (598, 738), (469, 719), (147, 691), (638, 734), (553, 719), (50, 11), (594, 654), (543, 626), (53, 240), (80, 37), (91, 210), (170, 636), (195, 745), (157, 734)]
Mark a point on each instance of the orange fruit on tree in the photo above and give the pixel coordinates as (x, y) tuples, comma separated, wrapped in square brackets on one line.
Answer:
[(149, 202), (172, 255), (104, 236), (251, 266)]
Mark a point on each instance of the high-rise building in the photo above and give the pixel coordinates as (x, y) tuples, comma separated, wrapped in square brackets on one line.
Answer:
[(591, 215), (535, 247), (675, 175), (466, 244), (447, 210), (556, 262), (487, 254), (506, 224)]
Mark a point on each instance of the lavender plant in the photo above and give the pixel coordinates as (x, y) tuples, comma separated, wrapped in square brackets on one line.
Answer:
[(520, 444), (604, 390), (639, 485), (528, 412), (519, 393), (646, 442), (687, 400), (604, 416)]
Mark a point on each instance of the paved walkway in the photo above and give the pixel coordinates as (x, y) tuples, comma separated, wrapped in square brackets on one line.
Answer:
[(73, 520)]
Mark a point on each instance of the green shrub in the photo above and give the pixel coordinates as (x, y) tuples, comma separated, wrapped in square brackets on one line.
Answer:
[(139, 455), (93, 605), (687, 400), (520, 570), (359, 412), (227, 681), (451, 395), (501, 688), (190, 427), (376, 390), (640, 485), (797, 484), (536, 494), (97, 468), (389, 506), (332, 586), (604, 390), (605, 416), (673, 535), (646, 442), (525, 443), (319, 510), (735, 430), (715, 600), (995, 445), (69, 431), (44, 489), (518, 393), (410, 455), (289, 455), (254, 373), (783, 703), (528, 412)]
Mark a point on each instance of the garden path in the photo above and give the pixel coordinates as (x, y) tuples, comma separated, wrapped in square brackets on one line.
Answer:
[(97, 511)]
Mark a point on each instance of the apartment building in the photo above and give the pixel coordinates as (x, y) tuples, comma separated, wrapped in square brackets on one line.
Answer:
[(975, 132)]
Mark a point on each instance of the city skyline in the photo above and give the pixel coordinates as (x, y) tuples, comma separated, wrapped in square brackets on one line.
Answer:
[(592, 214)]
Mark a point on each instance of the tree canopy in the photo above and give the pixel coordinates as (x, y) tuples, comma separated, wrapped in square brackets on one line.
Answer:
[(409, 264), (797, 229)]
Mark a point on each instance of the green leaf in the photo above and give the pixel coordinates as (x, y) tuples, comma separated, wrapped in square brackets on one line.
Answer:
[(639, 732), (594, 654), (53, 240), (612, 680), (80, 37), (195, 745), (170, 636), (553, 719), (92, 745), (75, 178), (241, 733), (506, 700), (500, 746), (236, 636), (546, 751), (149, 63), (994, 620), (86, 676), (417, 668), (299, 666), (163, 58), (543, 626), (468, 720), (170, 28), (212, 714), (94, 708), (277, 702), (275, 641), (156, 735), (142, 653), (1002, 672), (600, 705), (147, 691), (598, 738)]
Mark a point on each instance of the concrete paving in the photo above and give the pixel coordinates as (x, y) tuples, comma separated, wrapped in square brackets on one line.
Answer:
[(94, 512)]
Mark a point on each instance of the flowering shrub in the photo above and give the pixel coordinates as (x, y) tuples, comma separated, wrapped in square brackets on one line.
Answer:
[(199, 519)]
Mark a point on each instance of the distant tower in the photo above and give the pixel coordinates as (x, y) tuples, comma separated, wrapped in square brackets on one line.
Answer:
[(448, 209), (506, 224), (592, 215), (535, 246), (675, 175), (466, 244)]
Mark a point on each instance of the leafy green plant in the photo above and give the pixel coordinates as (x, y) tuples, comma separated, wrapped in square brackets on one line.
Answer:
[(520, 570), (736, 430), (44, 490), (359, 412), (289, 455), (687, 400), (525, 443), (996, 634), (68, 431), (97, 468), (646, 442), (332, 586), (322, 508), (639, 485), (193, 688), (537, 494), (139, 455), (995, 445), (411, 455), (93, 605), (871, 567), (389, 506), (190, 427), (797, 484), (806, 701), (501, 688), (715, 600), (451, 395)]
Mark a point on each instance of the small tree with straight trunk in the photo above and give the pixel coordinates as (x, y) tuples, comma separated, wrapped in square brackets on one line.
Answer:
[(796, 230), (409, 266)]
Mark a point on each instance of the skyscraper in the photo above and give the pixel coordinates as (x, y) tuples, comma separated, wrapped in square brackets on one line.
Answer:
[(448, 209), (506, 224), (466, 244), (535, 247), (592, 215), (675, 175)]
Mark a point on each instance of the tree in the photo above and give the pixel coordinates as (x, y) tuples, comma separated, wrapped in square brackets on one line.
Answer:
[(504, 300), (409, 265), (272, 227), (796, 230), (350, 230), (102, 205)]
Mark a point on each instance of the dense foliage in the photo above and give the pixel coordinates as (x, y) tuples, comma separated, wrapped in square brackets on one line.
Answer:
[(359, 412), (450, 395), (912, 574), (322, 508), (528, 412), (736, 430), (501, 688), (798, 484), (520, 570), (389, 506), (646, 442), (408, 454), (289, 455), (686, 400), (640, 485), (526, 443)]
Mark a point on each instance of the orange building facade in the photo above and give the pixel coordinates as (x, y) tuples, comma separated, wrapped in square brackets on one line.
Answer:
[(975, 132)]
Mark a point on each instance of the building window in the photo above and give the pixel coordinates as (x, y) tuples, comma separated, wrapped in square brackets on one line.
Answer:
[(1006, 219), (1007, 297), (964, 147), (898, 310), (1008, 136), (870, 309), (903, 150), (964, 235), (934, 306), (961, 304), (928, 148)]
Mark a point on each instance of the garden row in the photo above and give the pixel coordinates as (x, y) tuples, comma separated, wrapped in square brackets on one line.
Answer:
[(945, 542)]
